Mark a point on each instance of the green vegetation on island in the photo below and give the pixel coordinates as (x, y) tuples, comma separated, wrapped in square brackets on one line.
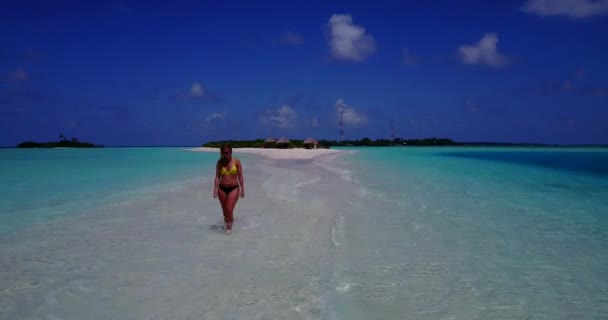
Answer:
[(365, 142), (62, 143), (295, 143)]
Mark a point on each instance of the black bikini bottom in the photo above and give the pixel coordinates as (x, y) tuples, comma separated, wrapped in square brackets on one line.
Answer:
[(227, 190)]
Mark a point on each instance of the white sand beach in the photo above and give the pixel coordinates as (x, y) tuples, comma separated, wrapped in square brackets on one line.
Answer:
[(293, 154), (161, 254)]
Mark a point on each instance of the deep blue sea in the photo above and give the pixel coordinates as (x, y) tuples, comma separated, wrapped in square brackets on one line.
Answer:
[(371, 233)]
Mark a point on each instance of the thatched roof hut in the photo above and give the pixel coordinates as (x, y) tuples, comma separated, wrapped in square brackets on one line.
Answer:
[(282, 143), (310, 143), (269, 143)]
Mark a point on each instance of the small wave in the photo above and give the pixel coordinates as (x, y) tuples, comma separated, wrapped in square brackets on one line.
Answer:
[(362, 191), (311, 181), (285, 185), (334, 165), (333, 238), (352, 204), (344, 287), (337, 229), (345, 174), (333, 156)]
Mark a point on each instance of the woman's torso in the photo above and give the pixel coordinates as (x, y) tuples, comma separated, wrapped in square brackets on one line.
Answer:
[(229, 173)]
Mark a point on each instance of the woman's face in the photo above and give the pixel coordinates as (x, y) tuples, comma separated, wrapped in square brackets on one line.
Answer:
[(226, 154)]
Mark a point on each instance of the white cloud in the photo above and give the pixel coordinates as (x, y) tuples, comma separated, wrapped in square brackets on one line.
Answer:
[(570, 8), (484, 52), (18, 75), (283, 117), (350, 116), (289, 37), (313, 122), (215, 116), (349, 41), (197, 93), (197, 90)]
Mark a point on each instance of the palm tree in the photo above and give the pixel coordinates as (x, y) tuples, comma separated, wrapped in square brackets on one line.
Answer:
[(61, 137)]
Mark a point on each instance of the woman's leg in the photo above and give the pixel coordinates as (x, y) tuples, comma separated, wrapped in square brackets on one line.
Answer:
[(223, 199), (232, 197)]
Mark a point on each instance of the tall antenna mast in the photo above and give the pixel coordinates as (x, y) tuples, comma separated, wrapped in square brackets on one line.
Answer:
[(341, 126)]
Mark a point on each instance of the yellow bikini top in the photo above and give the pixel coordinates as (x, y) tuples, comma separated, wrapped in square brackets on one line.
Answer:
[(231, 171)]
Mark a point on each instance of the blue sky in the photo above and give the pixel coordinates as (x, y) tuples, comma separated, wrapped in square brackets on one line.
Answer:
[(184, 73)]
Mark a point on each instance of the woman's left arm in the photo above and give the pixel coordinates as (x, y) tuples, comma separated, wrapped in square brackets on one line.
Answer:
[(240, 176)]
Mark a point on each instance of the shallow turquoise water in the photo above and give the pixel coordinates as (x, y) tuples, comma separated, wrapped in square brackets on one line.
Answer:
[(39, 184), (378, 233), (474, 233)]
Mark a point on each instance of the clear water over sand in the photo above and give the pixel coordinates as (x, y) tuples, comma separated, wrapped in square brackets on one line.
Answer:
[(375, 233)]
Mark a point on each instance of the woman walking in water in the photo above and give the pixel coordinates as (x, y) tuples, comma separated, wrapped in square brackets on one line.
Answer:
[(228, 177)]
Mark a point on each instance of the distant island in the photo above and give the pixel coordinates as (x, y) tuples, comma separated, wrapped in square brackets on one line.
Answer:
[(62, 143), (367, 142)]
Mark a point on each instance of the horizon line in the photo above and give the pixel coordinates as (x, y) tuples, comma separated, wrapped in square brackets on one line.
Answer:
[(456, 142)]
